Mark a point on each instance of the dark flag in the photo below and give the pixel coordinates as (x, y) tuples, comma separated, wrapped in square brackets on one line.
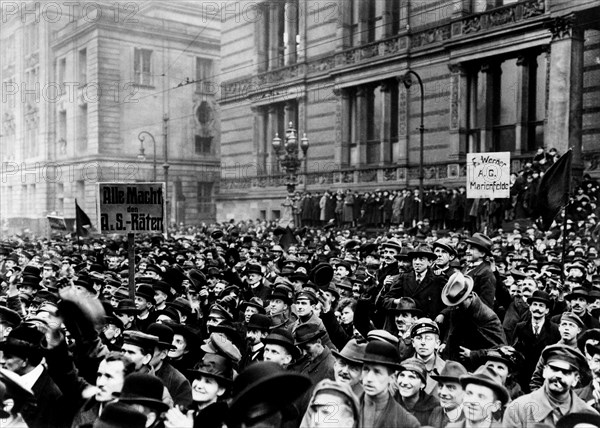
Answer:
[(286, 237), (553, 191), (83, 224)]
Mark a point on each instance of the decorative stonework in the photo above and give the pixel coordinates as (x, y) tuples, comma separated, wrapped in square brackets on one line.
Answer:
[(8, 123), (562, 27), (501, 16), (402, 113)]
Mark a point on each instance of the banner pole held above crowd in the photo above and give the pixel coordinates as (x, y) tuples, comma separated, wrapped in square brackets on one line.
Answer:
[(131, 253)]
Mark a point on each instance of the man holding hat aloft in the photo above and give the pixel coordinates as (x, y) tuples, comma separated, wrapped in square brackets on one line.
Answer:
[(479, 248), (556, 398), (378, 408), (425, 335), (472, 325), (534, 334), (421, 284)]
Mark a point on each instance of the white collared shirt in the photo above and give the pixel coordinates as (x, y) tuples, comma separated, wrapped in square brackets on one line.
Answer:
[(29, 379)]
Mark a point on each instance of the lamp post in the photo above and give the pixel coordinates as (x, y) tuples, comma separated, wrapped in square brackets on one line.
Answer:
[(288, 156), (142, 137), (408, 81)]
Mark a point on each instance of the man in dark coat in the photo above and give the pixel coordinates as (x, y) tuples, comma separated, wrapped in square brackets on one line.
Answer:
[(535, 334), (472, 325), (579, 299), (478, 249), (319, 362), (421, 284)]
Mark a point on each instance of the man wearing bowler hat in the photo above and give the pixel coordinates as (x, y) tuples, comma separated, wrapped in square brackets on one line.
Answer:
[(421, 284), (556, 397), (479, 248), (472, 324), (144, 393), (257, 285), (378, 408), (450, 394), (258, 330), (534, 334)]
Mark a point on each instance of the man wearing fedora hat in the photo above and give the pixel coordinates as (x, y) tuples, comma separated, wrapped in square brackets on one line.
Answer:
[(450, 394), (484, 397), (421, 284), (579, 299), (348, 365), (378, 408), (534, 334), (479, 248), (258, 329), (556, 398), (319, 361), (280, 347)]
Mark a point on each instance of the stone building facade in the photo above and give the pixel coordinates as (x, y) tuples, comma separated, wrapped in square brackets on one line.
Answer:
[(80, 83), (497, 76)]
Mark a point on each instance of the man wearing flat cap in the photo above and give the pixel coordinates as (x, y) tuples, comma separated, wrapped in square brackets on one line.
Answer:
[(318, 362), (479, 248), (556, 397)]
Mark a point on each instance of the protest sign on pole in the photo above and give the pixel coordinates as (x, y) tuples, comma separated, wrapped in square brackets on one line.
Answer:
[(131, 208), (488, 175)]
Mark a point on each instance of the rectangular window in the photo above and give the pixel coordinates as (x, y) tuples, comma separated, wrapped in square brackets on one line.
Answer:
[(142, 67), (82, 64), (82, 127), (352, 137), (205, 197), (61, 73), (374, 101), (204, 74), (80, 193), (203, 145), (355, 17)]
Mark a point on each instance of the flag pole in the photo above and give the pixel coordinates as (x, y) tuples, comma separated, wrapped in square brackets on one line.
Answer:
[(77, 227), (564, 236)]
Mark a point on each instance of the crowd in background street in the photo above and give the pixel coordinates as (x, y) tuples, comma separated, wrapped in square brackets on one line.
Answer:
[(248, 323)]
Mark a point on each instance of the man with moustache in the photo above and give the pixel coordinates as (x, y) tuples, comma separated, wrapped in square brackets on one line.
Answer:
[(348, 366), (556, 397), (257, 285), (579, 298), (388, 269), (405, 314), (533, 335), (258, 330), (446, 254), (450, 394)]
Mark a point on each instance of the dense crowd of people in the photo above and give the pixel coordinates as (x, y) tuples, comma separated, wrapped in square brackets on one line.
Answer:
[(248, 324)]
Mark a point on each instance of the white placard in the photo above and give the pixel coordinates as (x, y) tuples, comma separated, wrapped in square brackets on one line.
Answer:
[(488, 175)]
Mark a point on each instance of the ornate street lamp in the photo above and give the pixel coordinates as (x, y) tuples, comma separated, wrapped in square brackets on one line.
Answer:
[(141, 156), (288, 156), (408, 81)]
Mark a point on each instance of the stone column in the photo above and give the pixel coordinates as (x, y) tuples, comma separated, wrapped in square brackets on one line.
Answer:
[(344, 23), (459, 109), (522, 100), (386, 18), (386, 120), (291, 17), (261, 39), (271, 158), (260, 140), (403, 134), (290, 114), (274, 33), (361, 124), (565, 99), (341, 153), (488, 74)]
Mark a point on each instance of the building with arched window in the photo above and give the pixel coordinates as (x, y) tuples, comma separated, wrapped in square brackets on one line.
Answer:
[(498, 75)]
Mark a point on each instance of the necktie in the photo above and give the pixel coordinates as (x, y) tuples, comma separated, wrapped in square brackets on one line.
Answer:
[(536, 330)]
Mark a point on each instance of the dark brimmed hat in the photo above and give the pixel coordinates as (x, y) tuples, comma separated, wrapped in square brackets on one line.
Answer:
[(253, 268), (488, 377), (266, 382), (457, 289), (575, 419), (215, 366), (120, 415), (282, 292), (145, 291), (540, 296), (383, 353), (422, 251), (259, 322), (321, 274), (481, 241), (169, 312), (445, 245), (137, 338), (352, 352), (283, 337), (145, 389), (217, 308), (24, 341), (392, 243), (305, 333), (9, 317), (255, 302), (307, 293), (578, 292), (406, 305), (164, 334), (451, 372)]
